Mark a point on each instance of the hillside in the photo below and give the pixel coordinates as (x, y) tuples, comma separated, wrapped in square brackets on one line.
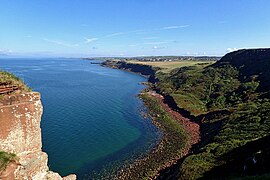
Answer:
[(230, 101), (254, 63)]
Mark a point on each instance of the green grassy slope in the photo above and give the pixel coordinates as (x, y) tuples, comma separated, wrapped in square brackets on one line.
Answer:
[(230, 99)]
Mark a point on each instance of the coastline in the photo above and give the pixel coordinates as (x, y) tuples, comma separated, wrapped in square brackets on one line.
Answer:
[(155, 162)]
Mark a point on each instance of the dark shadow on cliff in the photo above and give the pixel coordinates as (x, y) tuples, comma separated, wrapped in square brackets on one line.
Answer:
[(251, 159), (173, 105)]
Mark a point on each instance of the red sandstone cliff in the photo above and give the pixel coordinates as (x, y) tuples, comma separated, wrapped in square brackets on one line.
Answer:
[(20, 133)]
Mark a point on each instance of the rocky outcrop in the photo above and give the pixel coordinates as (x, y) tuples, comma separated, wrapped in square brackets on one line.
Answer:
[(20, 133)]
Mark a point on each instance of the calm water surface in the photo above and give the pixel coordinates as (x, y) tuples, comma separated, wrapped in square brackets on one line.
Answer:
[(91, 120)]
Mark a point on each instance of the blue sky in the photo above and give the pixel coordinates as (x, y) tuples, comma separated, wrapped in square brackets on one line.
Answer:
[(84, 28)]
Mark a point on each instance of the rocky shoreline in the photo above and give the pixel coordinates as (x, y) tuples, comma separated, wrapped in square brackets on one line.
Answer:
[(191, 129)]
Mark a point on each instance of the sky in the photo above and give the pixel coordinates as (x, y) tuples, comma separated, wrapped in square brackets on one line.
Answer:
[(93, 28)]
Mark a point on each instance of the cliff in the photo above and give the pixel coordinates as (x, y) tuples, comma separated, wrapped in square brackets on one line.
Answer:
[(144, 70), (20, 133)]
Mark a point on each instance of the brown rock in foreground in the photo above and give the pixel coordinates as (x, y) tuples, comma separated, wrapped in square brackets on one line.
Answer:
[(20, 133)]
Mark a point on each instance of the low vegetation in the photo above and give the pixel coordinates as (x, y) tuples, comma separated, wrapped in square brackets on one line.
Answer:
[(171, 147), (10, 83), (230, 99), (5, 159), (199, 89)]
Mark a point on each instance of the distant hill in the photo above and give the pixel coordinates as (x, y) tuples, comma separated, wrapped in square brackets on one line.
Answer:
[(159, 58), (251, 63)]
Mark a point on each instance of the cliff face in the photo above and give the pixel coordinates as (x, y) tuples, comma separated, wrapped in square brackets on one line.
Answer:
[(136, 68), (20, 133)]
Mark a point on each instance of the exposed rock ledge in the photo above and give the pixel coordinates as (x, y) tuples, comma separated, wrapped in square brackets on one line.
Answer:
[(20, 133)]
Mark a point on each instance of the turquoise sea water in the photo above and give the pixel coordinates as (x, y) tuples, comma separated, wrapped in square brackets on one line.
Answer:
[(92, 120)]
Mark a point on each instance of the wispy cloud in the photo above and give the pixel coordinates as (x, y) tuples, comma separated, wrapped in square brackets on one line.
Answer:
[(135, 32), (174, 27), (89, 40), (150, 38), (139, 32), (158, 42), (84, 25), (5, 52), (133, 45), (61, 43), (115, 34), (231, 50), (158, 47), (222, 22), (124, 33), (155, 43)]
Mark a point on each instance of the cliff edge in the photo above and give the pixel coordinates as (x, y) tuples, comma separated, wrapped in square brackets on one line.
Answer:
[(20, 134)]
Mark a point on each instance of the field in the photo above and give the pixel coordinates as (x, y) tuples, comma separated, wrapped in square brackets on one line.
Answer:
[(168, 66)]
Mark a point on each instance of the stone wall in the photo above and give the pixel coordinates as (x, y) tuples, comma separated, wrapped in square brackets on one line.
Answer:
[(20, 133)]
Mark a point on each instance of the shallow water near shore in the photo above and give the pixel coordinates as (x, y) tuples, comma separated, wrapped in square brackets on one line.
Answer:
[(92, 121)]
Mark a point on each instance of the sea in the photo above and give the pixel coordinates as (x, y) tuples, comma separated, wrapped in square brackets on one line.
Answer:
[(93, 122)]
